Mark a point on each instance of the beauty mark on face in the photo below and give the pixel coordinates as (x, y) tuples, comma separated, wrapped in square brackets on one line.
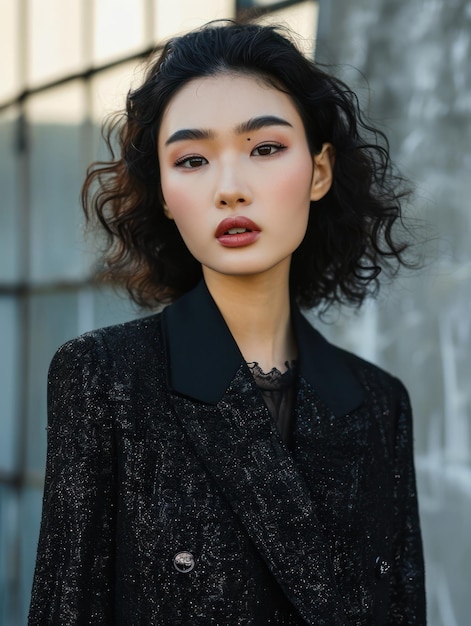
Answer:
[(256, 123), (237, 174)]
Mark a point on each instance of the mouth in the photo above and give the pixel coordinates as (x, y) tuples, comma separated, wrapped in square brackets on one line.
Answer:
[(237, 231)]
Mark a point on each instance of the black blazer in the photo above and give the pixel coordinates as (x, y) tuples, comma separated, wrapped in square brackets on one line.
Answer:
[(170, 497)]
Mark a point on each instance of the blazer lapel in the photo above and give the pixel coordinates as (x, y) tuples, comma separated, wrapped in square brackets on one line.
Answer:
[(224, 415), (203, 356), (252, 468)]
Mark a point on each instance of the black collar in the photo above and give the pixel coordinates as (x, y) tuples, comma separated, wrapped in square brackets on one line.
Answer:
[(204, 358)]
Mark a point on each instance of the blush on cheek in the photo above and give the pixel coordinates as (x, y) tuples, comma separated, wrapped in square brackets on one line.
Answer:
[(295, 187), (177, 200)]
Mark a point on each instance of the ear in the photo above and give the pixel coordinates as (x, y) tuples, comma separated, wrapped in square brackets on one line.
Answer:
[(323, 171)]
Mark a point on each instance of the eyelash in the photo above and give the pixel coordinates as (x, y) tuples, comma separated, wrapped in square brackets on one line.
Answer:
[(188, 159), (279, 147)]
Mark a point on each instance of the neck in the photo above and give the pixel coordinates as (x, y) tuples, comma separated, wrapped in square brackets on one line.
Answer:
[(256, 310)]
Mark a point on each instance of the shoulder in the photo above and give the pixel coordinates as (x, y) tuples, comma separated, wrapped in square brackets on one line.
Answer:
[(377, 382), (99, 367), (386, 399), (111, 342), (367, 369), (109, 358)]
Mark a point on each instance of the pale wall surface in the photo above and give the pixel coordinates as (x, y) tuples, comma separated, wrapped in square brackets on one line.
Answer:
[(416, 56)]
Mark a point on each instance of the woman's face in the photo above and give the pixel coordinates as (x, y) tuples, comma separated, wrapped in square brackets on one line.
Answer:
[(237, 175)]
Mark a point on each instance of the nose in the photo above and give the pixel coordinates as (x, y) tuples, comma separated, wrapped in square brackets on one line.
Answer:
[(231, 191), (231, 200)]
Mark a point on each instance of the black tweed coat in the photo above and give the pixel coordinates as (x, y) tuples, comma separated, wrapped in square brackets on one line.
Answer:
[(170, 497)]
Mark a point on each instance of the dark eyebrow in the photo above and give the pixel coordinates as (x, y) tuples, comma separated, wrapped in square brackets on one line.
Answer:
[(189, 133), (256, 123)]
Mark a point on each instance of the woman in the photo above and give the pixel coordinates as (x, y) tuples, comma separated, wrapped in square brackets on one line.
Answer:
[(220, 462)]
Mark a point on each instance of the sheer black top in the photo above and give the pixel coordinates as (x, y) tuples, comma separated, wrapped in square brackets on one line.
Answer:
[(279, 391)]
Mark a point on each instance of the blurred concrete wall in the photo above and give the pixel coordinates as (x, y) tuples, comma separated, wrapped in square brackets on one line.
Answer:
[(416, 56)]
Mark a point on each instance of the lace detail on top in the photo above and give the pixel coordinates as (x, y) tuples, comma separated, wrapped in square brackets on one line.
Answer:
[(274, 379), (278, 391)]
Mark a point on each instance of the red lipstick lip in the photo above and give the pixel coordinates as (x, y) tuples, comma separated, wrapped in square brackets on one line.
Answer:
[(235, 222)]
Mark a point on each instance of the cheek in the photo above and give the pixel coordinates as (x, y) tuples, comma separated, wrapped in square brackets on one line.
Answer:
[(293, 193), (185, 209), (171, 191), (292, 190), (179, 200), (301, 181)]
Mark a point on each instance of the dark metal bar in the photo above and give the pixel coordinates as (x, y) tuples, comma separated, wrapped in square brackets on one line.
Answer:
[(86, 74), (247, 11)]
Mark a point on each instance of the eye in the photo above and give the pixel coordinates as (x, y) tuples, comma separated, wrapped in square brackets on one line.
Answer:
[(191, 162), (267, 149)]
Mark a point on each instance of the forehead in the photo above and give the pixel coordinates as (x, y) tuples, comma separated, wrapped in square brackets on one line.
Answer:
[(226, 100)]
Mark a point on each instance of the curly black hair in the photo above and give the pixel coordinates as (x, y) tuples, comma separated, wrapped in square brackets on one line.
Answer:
[(351, 234)]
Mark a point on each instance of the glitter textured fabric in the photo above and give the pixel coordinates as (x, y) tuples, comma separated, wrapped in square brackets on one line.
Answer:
[(172, 499)]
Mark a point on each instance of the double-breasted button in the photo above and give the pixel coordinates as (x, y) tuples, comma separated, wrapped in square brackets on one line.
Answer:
[(382, 567), (184, 562)]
